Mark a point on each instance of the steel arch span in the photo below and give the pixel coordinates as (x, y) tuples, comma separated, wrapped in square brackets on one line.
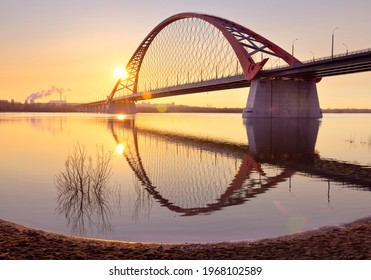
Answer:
[(190, 47)]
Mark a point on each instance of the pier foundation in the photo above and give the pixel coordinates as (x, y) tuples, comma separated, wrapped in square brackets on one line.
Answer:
[(279, 98), (124, 107)]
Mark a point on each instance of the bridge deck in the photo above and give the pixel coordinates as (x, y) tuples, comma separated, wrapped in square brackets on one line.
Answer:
[(355, 62)]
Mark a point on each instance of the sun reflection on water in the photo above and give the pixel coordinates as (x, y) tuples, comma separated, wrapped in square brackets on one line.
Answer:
[(121, 117), (120, 148)]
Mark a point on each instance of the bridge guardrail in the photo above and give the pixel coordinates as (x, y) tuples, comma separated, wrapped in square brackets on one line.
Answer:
[(323, 58)]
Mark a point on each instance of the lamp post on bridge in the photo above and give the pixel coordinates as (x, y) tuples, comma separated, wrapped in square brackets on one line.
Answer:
[(346, 47), (292, 51), (312, 54), (332, 42)]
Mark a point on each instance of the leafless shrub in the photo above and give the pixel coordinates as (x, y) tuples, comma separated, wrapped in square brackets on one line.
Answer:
[(83, 189)]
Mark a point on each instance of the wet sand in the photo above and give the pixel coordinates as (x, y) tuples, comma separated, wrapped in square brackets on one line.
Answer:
[(347, 241)]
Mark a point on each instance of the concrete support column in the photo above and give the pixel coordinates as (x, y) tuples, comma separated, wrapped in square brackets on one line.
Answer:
[(282, 99), (125, 107)]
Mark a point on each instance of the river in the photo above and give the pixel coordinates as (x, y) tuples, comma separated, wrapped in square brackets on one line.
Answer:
[(183, 177)]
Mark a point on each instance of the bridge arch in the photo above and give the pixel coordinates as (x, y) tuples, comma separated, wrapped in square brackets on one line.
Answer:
[(244, 42)]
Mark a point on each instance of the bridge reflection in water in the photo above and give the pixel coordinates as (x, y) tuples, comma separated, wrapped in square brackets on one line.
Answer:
[(194, 176), (197, 176), (282, 138)]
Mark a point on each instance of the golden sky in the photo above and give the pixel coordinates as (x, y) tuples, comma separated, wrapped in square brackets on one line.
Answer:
[(77, 45)]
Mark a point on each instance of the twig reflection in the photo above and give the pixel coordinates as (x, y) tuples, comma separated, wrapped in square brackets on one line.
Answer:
[(143, 203), (83, 190)]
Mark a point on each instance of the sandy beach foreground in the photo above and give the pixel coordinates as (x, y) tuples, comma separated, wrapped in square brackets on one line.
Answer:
[(347, 241)]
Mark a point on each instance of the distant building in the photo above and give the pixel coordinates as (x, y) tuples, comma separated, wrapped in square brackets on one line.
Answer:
[(58, 102)]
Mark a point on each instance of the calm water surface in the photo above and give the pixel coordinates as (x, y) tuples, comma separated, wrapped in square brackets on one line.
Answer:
[(183, 177)]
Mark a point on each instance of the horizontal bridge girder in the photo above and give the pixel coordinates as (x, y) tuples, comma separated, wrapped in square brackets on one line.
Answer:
[(206, 86)]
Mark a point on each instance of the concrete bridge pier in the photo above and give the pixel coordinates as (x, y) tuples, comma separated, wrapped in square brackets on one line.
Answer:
[(278, 98), (122, 107)]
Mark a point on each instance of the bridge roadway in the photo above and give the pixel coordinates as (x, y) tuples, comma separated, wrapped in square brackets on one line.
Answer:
[(352, 62)]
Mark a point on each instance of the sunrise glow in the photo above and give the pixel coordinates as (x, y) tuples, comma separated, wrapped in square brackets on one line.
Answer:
[(121, 73)]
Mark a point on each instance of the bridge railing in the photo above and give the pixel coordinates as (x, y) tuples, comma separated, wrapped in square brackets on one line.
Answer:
[(320, 59), (338, 55)]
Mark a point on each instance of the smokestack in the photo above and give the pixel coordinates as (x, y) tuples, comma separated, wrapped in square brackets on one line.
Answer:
[(39, 94)]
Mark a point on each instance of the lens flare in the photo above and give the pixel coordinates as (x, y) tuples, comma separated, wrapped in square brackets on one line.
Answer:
[(161, 108), (146, 95), (296, 223)]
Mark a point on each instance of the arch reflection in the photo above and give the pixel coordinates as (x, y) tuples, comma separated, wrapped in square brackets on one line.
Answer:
[(193, 176)]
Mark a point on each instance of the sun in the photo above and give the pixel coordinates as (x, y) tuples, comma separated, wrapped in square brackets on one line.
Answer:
[(121, 73)]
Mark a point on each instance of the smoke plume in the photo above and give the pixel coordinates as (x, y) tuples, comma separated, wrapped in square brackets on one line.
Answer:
[(39, 94)]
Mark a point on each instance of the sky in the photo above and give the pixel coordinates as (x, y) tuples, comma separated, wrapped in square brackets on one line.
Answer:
[(75, 46)]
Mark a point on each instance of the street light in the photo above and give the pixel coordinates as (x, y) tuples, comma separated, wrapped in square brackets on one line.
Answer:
[(312, 54), (332, 42), (346, 47), (292, 52)]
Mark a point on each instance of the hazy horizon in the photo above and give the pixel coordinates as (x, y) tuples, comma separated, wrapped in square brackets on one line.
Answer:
[(60, 44)]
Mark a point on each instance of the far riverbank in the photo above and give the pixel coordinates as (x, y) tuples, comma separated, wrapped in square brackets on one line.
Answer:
[(145, 107)]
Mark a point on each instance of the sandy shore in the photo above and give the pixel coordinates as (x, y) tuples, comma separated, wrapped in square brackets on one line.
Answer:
[(348, 241)]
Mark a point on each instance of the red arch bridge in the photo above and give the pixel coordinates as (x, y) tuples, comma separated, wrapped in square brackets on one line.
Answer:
[(190, 53)]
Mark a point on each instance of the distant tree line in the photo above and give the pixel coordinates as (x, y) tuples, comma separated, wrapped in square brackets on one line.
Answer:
[(172, 108), (35, 107), (347, 110), (6, 106)]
